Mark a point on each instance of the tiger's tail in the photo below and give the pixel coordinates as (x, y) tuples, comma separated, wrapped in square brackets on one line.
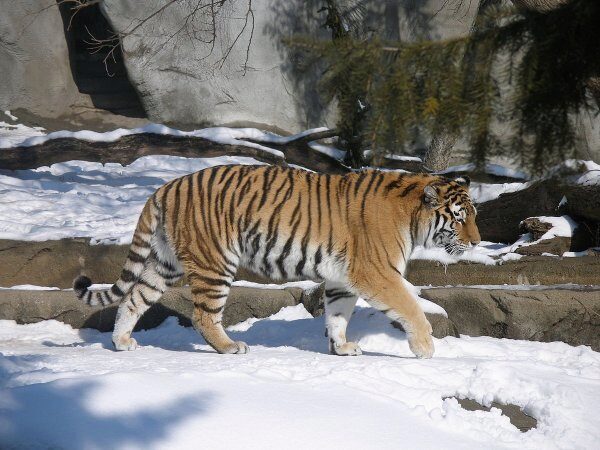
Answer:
[(139, 251)]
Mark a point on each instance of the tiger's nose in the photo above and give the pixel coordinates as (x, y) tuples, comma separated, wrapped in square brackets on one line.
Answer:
[(474, 242)]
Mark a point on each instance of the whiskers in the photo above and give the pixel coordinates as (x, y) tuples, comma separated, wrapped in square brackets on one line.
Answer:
[(456, 248)]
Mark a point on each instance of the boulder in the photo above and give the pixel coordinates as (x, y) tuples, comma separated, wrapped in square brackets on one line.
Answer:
[(27, 306), (57, 263), (560, 194), (527, 270), (536, 228), (571, 315), (554, 246)]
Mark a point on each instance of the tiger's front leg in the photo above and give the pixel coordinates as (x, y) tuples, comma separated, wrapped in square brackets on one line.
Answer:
[(390, 296), (339, 305)]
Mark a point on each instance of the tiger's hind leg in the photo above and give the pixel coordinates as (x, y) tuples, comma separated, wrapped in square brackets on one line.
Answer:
[(210, 291), (339, 304), (157, 276)]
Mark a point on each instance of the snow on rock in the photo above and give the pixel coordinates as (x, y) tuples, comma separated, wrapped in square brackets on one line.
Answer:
[(328, 150), (484, 192), (87, 199), (64, 388), (426, 305), (11, 135), (392, 156), (577, 171), (561, 226), (31, 287), (223, 135), (492, 169)]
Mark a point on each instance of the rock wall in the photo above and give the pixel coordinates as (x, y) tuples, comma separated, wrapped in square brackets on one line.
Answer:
[(182, 81), (34, 59)]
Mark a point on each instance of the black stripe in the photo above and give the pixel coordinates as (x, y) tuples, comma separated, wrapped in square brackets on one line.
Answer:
[(266, 185), (175, 212), (392, 185), (361, 178), (138, 241), (135, 257), (210, 310), (148, 285), (364, 200), (380, 178), (319, 203), (144, 299), (335, 298), (117, 290), (208, 292), (127, 276), (213, 281), (408, 189)]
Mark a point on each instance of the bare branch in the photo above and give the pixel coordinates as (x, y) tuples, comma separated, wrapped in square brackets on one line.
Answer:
[(198, 24)]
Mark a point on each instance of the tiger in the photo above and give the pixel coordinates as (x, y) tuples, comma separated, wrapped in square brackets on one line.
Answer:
[(354, 232)]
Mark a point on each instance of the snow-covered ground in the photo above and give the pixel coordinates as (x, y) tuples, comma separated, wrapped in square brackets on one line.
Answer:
[(103, 201), (88, 199), (64, 388)]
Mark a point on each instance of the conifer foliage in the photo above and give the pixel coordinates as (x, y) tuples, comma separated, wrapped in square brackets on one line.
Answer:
[(549, 61)]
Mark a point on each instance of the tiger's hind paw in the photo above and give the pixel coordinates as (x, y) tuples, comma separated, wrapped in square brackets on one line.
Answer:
[(123, 344), (346, 349)]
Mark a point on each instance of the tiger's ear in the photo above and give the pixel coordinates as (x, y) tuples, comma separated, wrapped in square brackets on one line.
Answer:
[(463, 181), (430, 196)]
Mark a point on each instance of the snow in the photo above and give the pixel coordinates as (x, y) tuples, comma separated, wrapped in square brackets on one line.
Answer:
[(484, 192), (563, 201), (23, 136), (328, 150), (65, 388), (12, 135), (403, 158), (576, 254), (523, 287), (10, 116), (562, 226), (222, 135), (392, 156), (30, 287), (87, 199)]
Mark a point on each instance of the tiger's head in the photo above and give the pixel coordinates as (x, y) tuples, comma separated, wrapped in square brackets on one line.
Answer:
[(451, 215)]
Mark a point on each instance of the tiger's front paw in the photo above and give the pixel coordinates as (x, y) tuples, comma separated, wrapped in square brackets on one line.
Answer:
[(236, 348), (421, 344)]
